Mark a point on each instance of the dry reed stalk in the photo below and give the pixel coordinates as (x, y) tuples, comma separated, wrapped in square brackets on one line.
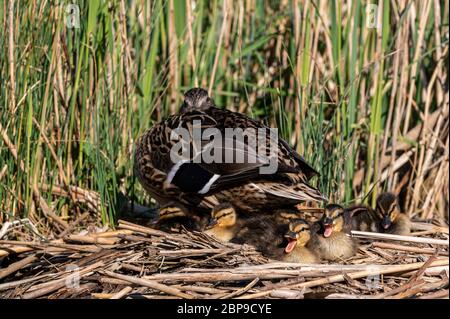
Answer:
[(41, 290), (119, 295), (13, 284), (173, 58), (3, 172), (411, 239), (91, 240), (150, 284), (444, 294), (17, 266), (355, 275), (242, 290), (16, 250), (101, 295), (219, 46), (428, 251), (113, 233), (11, 45), (222, 276), (190, 20)]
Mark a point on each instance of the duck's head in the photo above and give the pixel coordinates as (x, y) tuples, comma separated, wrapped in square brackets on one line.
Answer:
[(196, 99), (332, 220), (222, 216), (387, 209), (297, 234)]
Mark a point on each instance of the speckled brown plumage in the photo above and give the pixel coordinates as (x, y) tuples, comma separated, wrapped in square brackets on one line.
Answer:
[(241, 185)]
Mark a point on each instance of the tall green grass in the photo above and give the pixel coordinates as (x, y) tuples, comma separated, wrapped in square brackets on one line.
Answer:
[(74, 100)]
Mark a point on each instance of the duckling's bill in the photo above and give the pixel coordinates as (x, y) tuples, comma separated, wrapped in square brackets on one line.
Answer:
[(328, 231), (291, 237), (291, 245)]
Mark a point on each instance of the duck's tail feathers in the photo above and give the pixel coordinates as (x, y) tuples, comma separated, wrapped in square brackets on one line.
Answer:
[(301, 192)]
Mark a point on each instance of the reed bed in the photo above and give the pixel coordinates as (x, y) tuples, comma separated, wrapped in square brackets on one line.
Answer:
[(359, 88), (360, 92), (135, 261)]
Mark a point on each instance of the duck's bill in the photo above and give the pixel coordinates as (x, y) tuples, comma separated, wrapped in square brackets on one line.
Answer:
[(211, 224), (328, 231), (290, 246)]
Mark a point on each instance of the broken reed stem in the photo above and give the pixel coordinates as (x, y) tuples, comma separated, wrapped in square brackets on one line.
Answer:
[(125, 291), (371, 235), (150, 284), (242, 290), (428, 251), (17, 266), (54, 285), (91, 240)]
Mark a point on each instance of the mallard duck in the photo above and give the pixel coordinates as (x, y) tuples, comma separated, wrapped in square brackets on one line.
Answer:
[(388, 216), (298, 237), (200, 186), (328, 236)]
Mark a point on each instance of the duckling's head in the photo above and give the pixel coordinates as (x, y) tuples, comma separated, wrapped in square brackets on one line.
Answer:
[(222, 216), (387, 209), (332, 219), (196, 99), (298, 234), (169, 212)]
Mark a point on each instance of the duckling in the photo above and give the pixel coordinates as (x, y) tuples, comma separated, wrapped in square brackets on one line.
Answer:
[(223, 224), (328, 237), (298, 237), (264, 232), (389, 218), (363, 218), (173, 217)]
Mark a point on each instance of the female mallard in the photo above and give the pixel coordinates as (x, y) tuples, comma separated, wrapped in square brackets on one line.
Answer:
[(198, 182)]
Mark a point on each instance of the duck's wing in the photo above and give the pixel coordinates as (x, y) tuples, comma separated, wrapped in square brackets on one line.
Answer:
[(216, 157), (287, 155)]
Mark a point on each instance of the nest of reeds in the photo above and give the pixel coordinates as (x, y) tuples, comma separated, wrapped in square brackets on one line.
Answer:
[(135, 261)]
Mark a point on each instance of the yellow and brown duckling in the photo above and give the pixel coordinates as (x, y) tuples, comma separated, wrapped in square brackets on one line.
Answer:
[(328, 237), (296, 250), (201, 185), (223, 223)]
